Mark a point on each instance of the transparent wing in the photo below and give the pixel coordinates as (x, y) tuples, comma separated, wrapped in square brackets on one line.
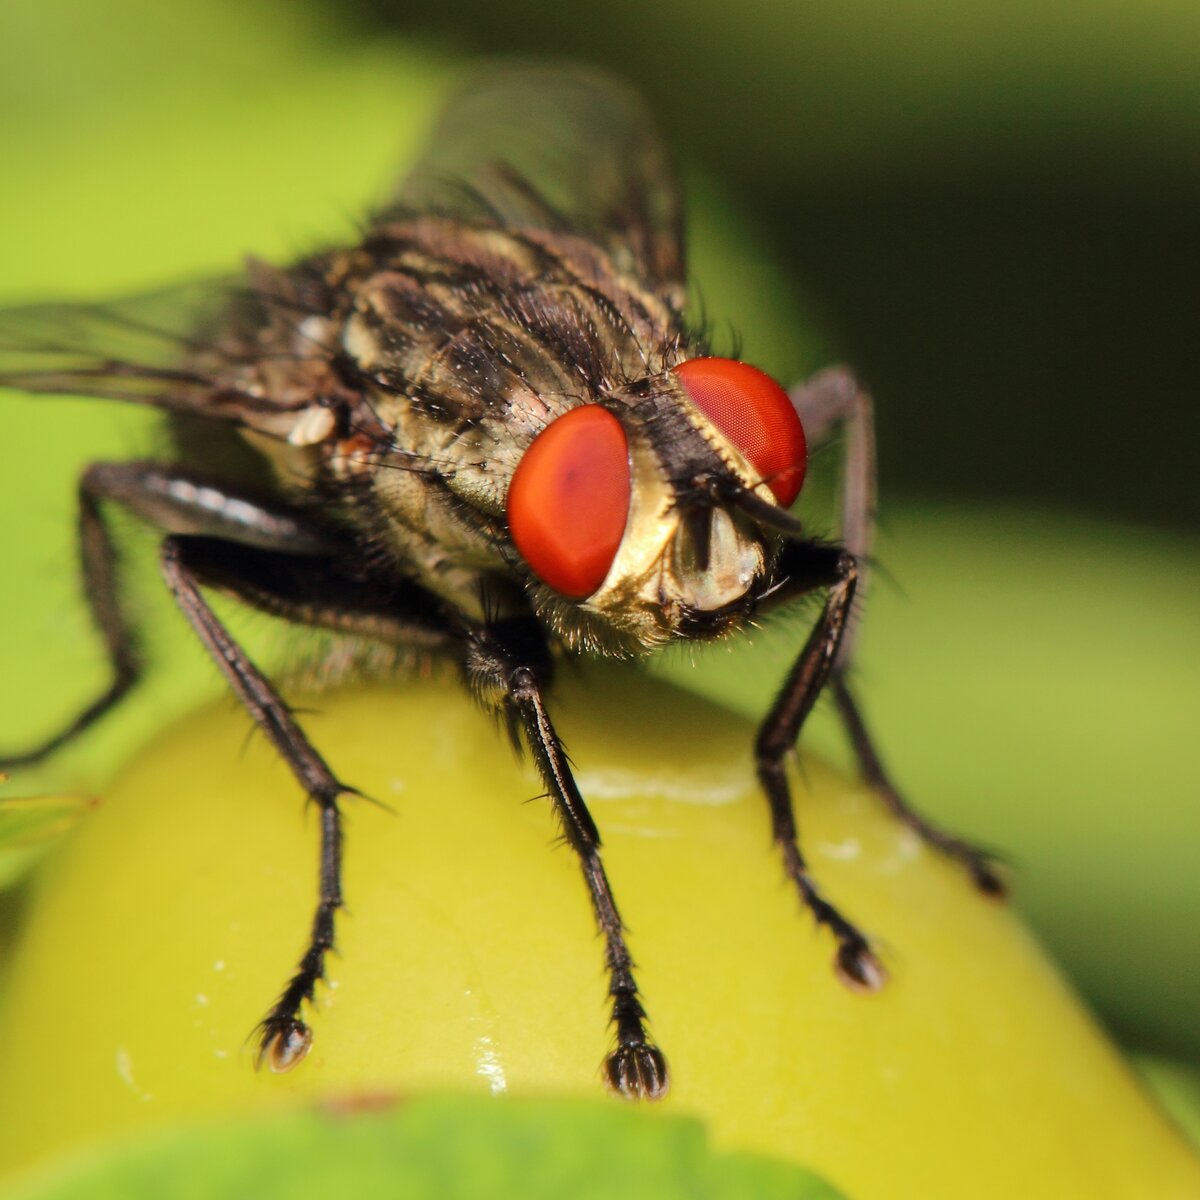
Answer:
[(180, 349), (566, 150), (133, 349)]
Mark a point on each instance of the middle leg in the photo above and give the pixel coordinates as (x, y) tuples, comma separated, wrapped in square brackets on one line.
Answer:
[(311, 590), (832, 399)]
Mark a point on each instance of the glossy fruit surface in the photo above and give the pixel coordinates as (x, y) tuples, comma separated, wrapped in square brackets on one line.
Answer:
[(156, 937)]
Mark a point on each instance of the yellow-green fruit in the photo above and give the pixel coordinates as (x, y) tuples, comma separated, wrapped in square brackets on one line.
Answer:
[(158, 936)]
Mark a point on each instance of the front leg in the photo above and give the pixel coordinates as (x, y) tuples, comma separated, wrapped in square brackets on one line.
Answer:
[(508, 667), (809, 566)]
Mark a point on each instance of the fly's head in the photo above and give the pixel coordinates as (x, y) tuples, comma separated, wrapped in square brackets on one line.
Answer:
[(653, 513)]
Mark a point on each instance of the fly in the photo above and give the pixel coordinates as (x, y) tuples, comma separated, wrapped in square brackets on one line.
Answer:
[(485, 432)]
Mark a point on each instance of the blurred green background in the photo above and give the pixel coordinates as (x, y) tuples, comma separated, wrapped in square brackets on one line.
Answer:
[(987, 208)]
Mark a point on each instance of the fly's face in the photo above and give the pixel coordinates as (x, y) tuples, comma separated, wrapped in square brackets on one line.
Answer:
[(634, 507)]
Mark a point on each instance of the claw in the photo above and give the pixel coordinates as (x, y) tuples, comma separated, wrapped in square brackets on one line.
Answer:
[(859, 968), (284, 1044), (987, 880), (637, 1072)]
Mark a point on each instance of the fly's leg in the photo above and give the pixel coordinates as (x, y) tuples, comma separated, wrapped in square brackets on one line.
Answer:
[(809, 566), (831, 399), (313, 591), (284, 1036), (98, 561), (977, 862), (508, 666), (170, 499)]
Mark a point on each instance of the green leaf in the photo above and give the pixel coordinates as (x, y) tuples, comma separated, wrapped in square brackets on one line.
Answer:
[(443, 1149)]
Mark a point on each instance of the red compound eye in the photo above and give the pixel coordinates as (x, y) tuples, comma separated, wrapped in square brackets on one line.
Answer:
[(755, 414), (569, 499)]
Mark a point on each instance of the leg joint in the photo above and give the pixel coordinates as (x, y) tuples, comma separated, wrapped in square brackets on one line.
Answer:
[(846, 568)]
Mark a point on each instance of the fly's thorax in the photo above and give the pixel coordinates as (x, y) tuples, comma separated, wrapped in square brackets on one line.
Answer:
[(443, 542), (438, 488), (468, 464)]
